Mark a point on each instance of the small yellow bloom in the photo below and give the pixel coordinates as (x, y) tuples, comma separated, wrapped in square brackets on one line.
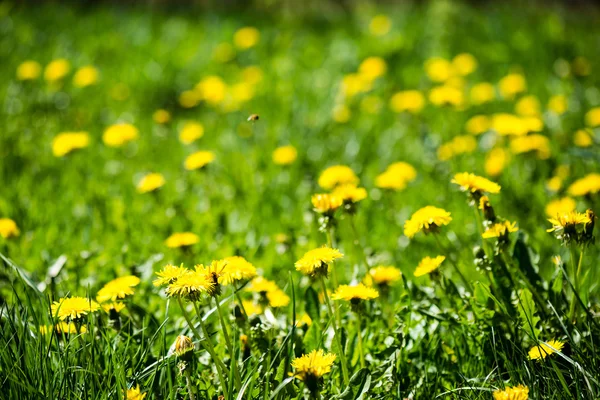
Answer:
[(458, 145), (583, 138), (478, 124), (519, 392), (349, 193), (199, 160), (191, 285), (353, 84), (135, 394), (592, 117), (113, 306), (56, 70), (211, 89), (252, 75), (337, 175), (73, 307), (262, 285), (63, 328), (472, 183), (566, 222), (189, 98), (190, 132), (8, 228), (560, 206), (341, 114), (558, 104), (150, 182), (223, 53), (427, 219), (499, 230), (545, 349), (438, 69), (512, 85), (236, 269), (528, 106), (182, 239), (385, 275), (161, 116), (508, 124), (372, 68), (278, 298), (396, 176), (246, 38), (118, 288), (464, 64), (85, 76), (312, 366), (482, 93), (354, 293), (29, 70), (496, 160), (428, 265), (326, 203), (316, 262), (554, 184), (169, 274), (411, 101), (446, 95), (589, 184), (251, 308), (66, 142), (538, 143), (380, 25), (119, 134), (285, 155)]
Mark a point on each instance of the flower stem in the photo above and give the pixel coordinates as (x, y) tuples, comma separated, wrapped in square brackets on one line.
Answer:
[(336, 333), (575, 277), (334, 278), (232, 357), (361, 351), (188, 383)]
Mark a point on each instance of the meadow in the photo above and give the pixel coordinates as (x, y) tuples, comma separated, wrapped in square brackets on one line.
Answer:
[(344, 201)]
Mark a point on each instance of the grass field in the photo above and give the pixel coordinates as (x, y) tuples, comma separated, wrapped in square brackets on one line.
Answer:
[(171, 226)]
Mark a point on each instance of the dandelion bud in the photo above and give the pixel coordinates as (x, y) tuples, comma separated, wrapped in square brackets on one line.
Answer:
[(588, 227), (488, 210), (325, 203), (184, 346)]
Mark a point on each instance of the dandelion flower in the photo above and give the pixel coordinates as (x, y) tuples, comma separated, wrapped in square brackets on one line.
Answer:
[(349, 193), (411, 101), (568, 227), (190, 132), (262, 285), (191, 285), (427, 219), (528, 106), (428, 265), (560, 206), (482, 93), (511, 85), (337, 175), (525, 144), (66, 142), (545, 349), (169, 274), (150, 182), (326, 203), (380, 25), (354, 293), (119, 134), (312, 366), (592, 117), (478, 124), (118, 288), (438, 69), (73, 307), (63, 328), (496, 160), (246, 37), (558, 104), (135, 394), (113, 306), (475, 184), (372, 68), (8, 228), (285, 155), (278, 298), (589, 184), (583, 138), (464, 64), (183, 345), (385, 275), (519, 392), (56, 70), (446, 95), (85, 76), (236, 269), (182, 239), (316, 262), (199, 160), (500, 229), (28, 70), (161, 116), (251, 308)]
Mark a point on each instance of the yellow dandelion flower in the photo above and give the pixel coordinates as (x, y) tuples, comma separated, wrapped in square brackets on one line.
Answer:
[(316, 262), (29, 70), (236, 269), (446, 95), (85, 76), (583, 138), (560, 206), (190, 132), (183, 345), (478, 124), (118, 288), (385, 275), (211, 89), (278, 298), (554, 184), (199, 160), (252, 75), (427, 219), (528, 106), (246, 37), (56, 70), (150, 182), (135, 394), (66, 142), (404, 169), (341, 114), (161, 116), (545, 349), (337, 175), (538, 143), (326, 203), (592, 117), (464, 64), (472, 183), (411, 101), (458, 145), (119, 134), (223, 53), (63, 328), (482, 93), (353, 84), (354, 293), (191, 285), (372, 68), (438, 69), (182, 239), (428, 265), (8, 228), (189, 98), (73, 307), (389, 180), (566, 222), (252, 308), (500, 229), (262, 285), (349, 193), (519, 392), (380, 25), (495, 161), (512, 85), (589, 184), (285, 155), (558, 104), (113, 306), (312, 366), (169, 274)]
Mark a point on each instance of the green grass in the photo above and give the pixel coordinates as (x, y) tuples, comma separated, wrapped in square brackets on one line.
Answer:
[(83, 223)]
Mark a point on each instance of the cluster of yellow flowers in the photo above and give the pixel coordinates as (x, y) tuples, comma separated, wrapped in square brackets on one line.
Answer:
[(56, 71)]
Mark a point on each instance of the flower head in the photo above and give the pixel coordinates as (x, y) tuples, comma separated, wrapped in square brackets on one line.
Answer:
[(114, 306), (85, 76), (246, 37), (73, 307), (412, 101), (199, 159), (190, 132), (560, 206), (56, 70), (236, 269), (118, 288), (545, 349), (63, 328), (511, 85), (28, 70), (161, 116), (385, 275), (539, 144), (428, 264), (337, 175), (589, 184), (119, 134), (570, 226), (325, 203), (278, 298), (354, 293), (427, 219), (475, 184), (311, 367), (349, 193), (500, 230), (316, 262), (150, 183), (519, 392), (285, 155), (182, 239), (482, 93), (262, 285), (380, 25), (169, 274), (135, 394), (8, 228), (66, 142), (183, 345), (191, 285)]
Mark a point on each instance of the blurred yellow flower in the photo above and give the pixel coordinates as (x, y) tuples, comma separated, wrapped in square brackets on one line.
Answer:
[(464, 64), (428, 265), (341, 114), (349, 193), (150, 182), (118, 288), (182, 239), (278, 298), (500, 229), (538, 143), (427, 219), (558, 104), (161, 116), (438, 69), (396, 176), (511, 85), (412, 101), (472, 183), (190, 132), (458, 145), (211, 89), (262, 285), (113, 306), (337, 175), (312, 366), (62, 328), (168, 274), (560, 206), (183, 345), (285, 155), (446, 95), (589, 184), (519, 392), (236, 269), (508, 124), (316, 262), (135, 394), (372, 68), (85, 76), (482, 93), (380, 25), (478, 124), (371, 104), (73, 307), (56, 70), (119, 134), (385, 275), (325, 203), (29, 70), (554, 184), (354, 293), (528, 106), (189, 98), (583, 138), (252, 75), (251, 308), (496, 160), (66, 142), (199, 160), (8, 228), (223, 53), (246, 37), (545, 349), (353, 84)]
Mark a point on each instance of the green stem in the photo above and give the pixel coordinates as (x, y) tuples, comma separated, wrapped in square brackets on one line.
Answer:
[(334, 278), (576, 270), (361, 352), (238, 381), (188, 382), (447, 253), (241, 303), (336, 333)]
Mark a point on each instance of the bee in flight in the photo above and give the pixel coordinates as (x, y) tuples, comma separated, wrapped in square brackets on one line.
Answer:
[(253, 117)]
